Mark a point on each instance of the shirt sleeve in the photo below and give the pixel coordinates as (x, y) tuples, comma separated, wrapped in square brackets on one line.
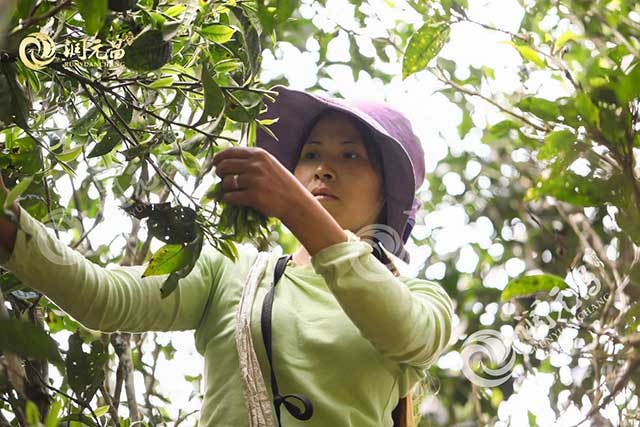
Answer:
[(407, 320), (107, 299)]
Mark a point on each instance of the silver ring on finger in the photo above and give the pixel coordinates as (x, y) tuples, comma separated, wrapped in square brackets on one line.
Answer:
[(234, 178)]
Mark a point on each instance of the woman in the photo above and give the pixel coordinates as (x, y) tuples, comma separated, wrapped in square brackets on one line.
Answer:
[(349, 336)]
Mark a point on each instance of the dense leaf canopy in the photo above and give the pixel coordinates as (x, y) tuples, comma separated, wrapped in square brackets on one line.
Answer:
[(126, 102)]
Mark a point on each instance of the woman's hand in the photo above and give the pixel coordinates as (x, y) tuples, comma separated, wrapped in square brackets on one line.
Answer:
[(264, 183)]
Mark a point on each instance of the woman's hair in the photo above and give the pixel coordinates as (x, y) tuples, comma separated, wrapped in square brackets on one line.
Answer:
[(402, 414)]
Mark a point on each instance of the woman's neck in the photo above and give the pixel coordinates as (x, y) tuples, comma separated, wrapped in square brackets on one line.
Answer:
[(301, 256)]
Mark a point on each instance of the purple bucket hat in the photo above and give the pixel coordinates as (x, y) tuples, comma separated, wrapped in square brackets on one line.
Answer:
[(401, 152)]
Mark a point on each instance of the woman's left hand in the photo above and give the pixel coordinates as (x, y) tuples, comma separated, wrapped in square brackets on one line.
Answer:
[(264, 183)]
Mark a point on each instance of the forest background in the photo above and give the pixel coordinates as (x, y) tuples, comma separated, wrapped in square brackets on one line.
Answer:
[(528, 114)]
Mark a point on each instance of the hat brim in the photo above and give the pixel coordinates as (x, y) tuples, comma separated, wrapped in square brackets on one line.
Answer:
[(295, 109)]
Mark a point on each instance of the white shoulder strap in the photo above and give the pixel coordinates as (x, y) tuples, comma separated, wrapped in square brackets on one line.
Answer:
[(259, 404)]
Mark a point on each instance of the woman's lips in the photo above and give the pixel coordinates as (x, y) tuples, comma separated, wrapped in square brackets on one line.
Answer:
[(325, 197)]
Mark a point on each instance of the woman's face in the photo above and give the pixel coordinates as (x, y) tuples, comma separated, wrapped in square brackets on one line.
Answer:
[(334, 158)]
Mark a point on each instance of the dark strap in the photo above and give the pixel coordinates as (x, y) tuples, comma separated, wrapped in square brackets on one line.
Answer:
[(265, 321)]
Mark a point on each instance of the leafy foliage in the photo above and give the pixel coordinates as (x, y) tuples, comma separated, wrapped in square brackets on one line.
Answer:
[(559, 188)]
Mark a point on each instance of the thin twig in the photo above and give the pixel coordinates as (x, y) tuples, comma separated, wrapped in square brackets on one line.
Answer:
[(492, 102), (82, 403), (34, 20), (113, 411)]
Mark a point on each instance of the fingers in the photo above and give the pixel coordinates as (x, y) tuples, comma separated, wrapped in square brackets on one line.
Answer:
[(231, 166), (232, 153), (241, 198), (228, 183), (250, 164)]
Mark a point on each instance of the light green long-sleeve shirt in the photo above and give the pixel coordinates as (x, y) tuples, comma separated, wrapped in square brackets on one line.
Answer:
[(352, 346)]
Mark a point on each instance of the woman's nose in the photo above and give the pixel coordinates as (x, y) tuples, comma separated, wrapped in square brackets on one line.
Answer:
[(323, 171)]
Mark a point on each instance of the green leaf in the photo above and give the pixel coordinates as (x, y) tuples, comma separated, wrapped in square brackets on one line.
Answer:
[(28, 341), (70, 154), (564, 38), (357, 59), (632, 318), (532, 419), (158, 19), (51, 420), (501, 129), (94, 13), (163, 82), (228, 249), (173, 280), (101, 410), (543, 108), (526, 286), (107, 143), (243, 106), (269, 122), (465, 126), (83, 124), (273, 12), (588, 110), (76, 419), (191, 163), (496, 397), (136, 151), (284, 9), (218, 33), (629, 220), (214, 99), (24, 7), (167, 259), (556, 143), (13, 99), (628, 87), (250, 42), (16, 191), (529, 54), (380, 44), (424, 45), (85, 371), (175, 10), (252, 134), (581, 191), (32, 414), (227, 66), (124, 113), (8, 281)]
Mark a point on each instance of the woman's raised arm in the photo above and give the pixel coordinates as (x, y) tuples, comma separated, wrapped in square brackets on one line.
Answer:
[(104, 299), (408, 320)]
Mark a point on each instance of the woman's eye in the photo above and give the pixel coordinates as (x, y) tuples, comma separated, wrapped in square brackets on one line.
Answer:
[(309, 153), (351, 154)]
